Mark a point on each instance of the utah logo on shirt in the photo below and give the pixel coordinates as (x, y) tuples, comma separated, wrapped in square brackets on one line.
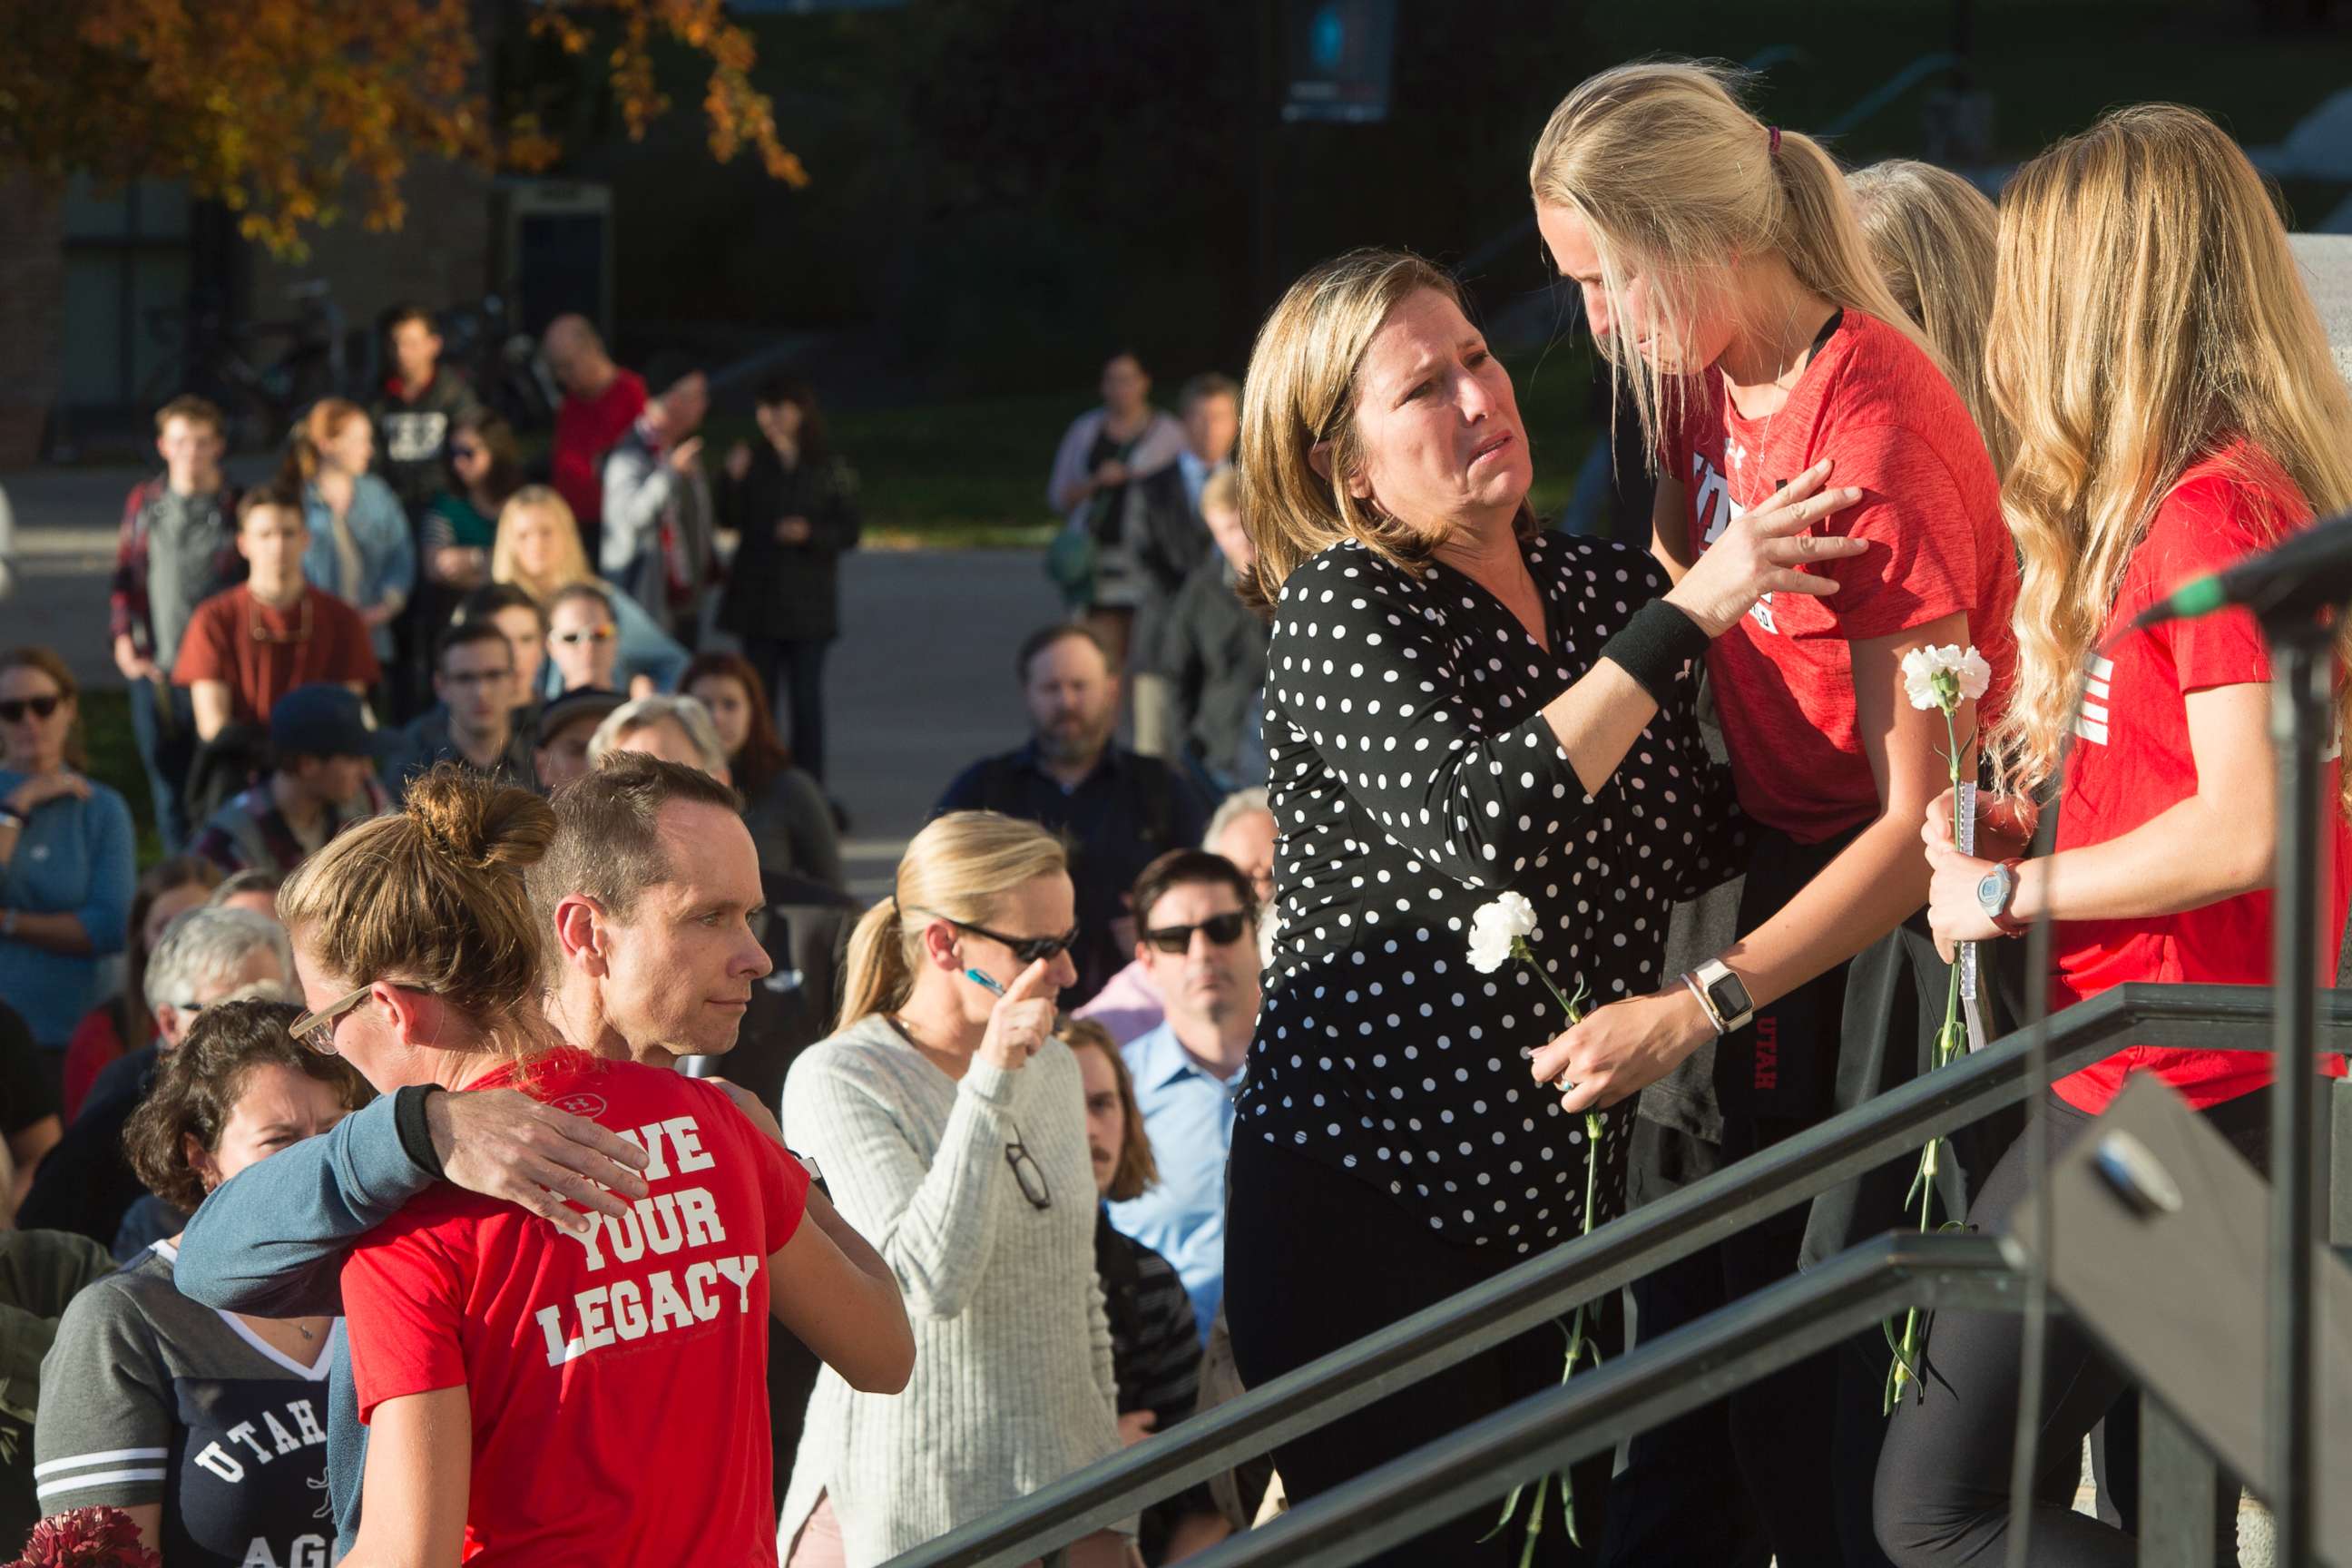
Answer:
[(1711, 496)]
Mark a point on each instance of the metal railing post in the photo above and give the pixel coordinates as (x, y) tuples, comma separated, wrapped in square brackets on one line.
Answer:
[(2180, 1488)]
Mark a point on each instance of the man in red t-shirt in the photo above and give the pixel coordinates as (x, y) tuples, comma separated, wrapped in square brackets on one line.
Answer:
[(614, 1382), (600, 402), (246, 648)]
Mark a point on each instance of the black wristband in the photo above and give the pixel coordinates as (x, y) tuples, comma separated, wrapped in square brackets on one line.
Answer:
[(415, 1135), (1655, 646)]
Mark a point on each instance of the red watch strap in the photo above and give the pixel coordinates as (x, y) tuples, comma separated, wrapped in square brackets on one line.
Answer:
[(2010, 924)]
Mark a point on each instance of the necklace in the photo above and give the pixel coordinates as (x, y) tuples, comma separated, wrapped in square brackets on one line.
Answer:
[(305, 1330)]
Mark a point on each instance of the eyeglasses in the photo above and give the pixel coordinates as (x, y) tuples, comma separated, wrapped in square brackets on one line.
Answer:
[(1027, 949), (1028, 1172), (1222, 929), (315, 1031), (464, 449), (16, 707), (593, 633)]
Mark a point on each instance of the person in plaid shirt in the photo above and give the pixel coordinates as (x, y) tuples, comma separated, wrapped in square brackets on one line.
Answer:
[(177, 548)]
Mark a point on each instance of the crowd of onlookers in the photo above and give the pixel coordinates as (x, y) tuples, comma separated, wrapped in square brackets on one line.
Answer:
[(403, 600)]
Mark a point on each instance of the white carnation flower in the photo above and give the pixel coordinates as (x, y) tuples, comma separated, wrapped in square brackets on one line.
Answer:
[(1496, 929), (1943, 677)]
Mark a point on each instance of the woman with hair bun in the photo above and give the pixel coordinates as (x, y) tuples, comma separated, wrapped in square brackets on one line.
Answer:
[(951, 1128), (360, 547), (491, 1346)]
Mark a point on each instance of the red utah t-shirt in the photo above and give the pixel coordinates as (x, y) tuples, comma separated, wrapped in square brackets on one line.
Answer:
[(2131, 761), (1875, 404), (619, 1384)]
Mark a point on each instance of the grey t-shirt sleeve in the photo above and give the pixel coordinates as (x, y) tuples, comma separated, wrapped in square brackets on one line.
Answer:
[(104, 1429)]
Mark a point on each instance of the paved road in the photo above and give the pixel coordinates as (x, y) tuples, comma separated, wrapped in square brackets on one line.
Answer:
[(920, 682)]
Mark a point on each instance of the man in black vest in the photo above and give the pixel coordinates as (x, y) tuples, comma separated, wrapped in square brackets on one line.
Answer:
[(1117, 811)]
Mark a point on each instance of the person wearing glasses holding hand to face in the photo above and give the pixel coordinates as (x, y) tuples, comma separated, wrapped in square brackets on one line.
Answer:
[(67, 869), (951, 1127), (1198, 920)]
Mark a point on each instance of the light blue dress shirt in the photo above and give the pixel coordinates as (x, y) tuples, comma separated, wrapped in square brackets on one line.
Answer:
[(76, 857), (1187, 1114)]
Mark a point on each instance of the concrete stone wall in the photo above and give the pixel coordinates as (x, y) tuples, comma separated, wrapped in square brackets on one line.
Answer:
[(32, 312), (2328, 269)]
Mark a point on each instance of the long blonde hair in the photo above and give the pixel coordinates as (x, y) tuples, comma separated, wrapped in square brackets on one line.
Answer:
[(432, 896), (1300, 392), (1933, 236), (572, 557), (1675, 178), (956, 867), (2147, 312)]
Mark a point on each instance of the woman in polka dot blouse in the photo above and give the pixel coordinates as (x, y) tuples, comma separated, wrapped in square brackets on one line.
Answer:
[(1456, 706)]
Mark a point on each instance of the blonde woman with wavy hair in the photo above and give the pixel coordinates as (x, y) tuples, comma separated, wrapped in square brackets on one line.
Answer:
[(1932, 236), (950, 1125), (539, 550), (1724, 277), (2175, 410)]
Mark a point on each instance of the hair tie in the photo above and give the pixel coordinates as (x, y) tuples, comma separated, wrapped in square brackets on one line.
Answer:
[(1773, 131)]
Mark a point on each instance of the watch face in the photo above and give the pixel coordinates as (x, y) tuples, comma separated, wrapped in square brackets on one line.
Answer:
[(1730, 998), (1992, 892)]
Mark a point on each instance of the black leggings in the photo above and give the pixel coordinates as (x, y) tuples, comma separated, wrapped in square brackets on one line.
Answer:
[(1942, 1498), (1315, 1260)]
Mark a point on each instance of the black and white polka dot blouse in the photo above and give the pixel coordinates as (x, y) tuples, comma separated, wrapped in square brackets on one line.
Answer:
[(1414, 779)]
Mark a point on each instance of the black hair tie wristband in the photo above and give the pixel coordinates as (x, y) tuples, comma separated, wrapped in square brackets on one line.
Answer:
[(1656, 646), (416, 1133)]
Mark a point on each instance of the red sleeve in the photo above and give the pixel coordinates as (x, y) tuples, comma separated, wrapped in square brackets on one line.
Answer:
[(404, 1301), (1922, 563), (2205, 526), (204, 653), (783, 1188)]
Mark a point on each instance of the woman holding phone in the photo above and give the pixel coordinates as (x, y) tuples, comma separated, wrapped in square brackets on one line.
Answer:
[(951, 1128)]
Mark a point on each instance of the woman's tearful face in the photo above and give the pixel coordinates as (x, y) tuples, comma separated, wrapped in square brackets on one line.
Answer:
[(1437, 420)]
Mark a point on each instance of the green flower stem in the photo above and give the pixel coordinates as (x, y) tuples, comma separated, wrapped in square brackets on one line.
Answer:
[(1950, 1040), (1578, 1347)]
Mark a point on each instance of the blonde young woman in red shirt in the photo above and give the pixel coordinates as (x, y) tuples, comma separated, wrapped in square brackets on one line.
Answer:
[(1725, 278), (2175, 409)]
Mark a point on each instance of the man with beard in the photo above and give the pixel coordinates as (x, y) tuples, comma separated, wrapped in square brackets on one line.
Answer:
[(1118, 811), (1198, 916)]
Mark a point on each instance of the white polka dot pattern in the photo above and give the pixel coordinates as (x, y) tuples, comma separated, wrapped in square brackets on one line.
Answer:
[(1413, 777)]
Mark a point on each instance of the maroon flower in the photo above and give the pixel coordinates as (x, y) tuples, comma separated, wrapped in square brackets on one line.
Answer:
[(87, 1538)]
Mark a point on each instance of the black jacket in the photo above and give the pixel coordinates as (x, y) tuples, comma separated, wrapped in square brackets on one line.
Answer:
[(412, 437), (788, 591), (1173, 543)]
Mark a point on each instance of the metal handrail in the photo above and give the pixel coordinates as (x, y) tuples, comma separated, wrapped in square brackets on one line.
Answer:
[(1451, 1332), (1544, 1433)]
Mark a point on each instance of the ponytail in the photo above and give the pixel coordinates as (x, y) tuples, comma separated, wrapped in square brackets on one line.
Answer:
[(311, 433), (955, 868), (1675, 176)]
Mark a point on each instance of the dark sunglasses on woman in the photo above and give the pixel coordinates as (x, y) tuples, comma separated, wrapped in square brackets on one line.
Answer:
[(16, 707), (1222, 929), (1027, 949)]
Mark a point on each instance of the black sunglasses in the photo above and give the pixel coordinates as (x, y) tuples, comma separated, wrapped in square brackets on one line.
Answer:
[(16, 707), (1028, 1172), (1027, 949), (1222, 929)]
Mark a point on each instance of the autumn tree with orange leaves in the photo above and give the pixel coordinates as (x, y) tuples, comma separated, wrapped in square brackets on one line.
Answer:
[(288, 111)]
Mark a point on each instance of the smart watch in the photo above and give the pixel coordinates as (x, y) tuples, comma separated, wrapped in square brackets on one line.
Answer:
[(1996, 890), (1723, 994)]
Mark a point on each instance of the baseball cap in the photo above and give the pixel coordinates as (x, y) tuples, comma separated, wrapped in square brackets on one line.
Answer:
[(579, 703), (319, 720)]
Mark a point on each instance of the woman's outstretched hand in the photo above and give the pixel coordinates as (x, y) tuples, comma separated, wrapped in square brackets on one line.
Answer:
[(1759, 552)]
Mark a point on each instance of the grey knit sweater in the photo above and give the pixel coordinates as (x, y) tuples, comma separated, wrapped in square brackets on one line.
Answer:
[(1013, 1385)]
